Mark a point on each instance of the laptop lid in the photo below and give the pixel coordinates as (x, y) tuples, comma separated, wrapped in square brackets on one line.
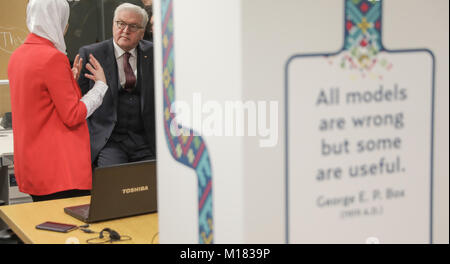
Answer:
[(123, 190)]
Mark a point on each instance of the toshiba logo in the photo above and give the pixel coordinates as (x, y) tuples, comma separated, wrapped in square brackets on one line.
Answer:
[(136, 189)]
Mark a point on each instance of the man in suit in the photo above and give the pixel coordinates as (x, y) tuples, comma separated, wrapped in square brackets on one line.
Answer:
[(122, 129)]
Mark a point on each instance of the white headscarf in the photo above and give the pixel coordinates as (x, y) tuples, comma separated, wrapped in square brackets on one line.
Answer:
[(48, 19)]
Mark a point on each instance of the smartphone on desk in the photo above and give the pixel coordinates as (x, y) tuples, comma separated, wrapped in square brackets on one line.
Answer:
[(57, 227)]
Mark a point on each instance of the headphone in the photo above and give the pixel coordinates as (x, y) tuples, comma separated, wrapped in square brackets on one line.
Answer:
[(113, 235)]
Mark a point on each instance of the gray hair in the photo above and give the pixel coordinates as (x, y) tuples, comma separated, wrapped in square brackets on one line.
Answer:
[(133, 8)]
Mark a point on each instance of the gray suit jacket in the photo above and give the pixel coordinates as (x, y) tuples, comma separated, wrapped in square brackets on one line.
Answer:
[(101, 123)]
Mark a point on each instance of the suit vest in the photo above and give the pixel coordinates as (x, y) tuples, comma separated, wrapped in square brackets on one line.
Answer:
[(129, 118)]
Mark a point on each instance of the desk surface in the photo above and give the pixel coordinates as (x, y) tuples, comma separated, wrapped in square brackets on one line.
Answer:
[(22, 219)]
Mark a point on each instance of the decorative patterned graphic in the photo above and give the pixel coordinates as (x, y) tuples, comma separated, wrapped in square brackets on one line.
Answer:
[(191, 150), (362, 41)]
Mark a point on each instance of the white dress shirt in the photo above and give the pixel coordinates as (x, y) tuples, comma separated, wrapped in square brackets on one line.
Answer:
[(118, 52)]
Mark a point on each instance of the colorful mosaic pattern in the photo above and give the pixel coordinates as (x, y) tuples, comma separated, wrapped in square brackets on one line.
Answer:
[(363, 39), (185, 145)]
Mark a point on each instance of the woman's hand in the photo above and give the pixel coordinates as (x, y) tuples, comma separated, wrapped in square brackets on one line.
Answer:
[(76, 69), (96, 70)]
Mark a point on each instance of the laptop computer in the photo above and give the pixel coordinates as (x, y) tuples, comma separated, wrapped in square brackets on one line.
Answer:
[(119, 191)]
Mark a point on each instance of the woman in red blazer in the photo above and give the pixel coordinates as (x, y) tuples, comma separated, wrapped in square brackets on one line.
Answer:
[(51, 138)]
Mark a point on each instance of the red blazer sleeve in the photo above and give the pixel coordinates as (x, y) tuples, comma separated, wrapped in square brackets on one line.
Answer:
[(64, 90)]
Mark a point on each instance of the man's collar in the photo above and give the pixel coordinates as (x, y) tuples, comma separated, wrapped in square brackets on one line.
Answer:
[(118, 51)]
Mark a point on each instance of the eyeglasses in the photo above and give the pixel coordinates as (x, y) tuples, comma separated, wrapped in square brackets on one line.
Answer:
[(131, 27)]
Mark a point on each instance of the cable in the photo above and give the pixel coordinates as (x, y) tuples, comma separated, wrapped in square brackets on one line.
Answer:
[(107, 241), (88, 231), (153, 238)]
